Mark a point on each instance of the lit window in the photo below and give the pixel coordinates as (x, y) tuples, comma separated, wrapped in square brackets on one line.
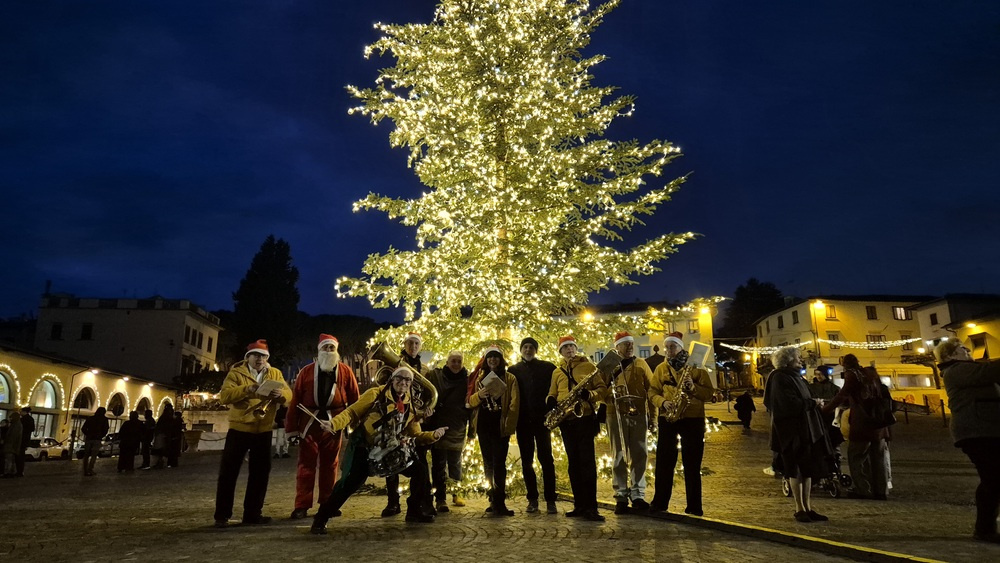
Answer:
[(692, 326), (902, 314), (877, 341)]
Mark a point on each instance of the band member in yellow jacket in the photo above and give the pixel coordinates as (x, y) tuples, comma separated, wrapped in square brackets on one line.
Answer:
[(495, 400), (664, 390), (251, 419), (578, 433), (627, 401), (382, 443)]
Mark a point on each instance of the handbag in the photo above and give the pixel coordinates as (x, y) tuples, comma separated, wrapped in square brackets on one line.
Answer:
[(878, 409)]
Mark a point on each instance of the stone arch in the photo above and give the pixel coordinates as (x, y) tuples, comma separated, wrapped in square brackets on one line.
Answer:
[(143, 405), (10, 388), (118, 400)]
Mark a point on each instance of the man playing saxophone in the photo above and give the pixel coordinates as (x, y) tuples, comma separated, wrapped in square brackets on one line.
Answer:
[(251, 418), (627, 422), (672, 385), (578, 433)]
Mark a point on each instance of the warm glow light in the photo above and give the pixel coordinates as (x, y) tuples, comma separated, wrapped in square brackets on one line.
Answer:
[(150, 384), (704, 310), (746, 357), (971, 325), (95, 371), (125, 378), (819, 305), (921, 350), (588, 316)]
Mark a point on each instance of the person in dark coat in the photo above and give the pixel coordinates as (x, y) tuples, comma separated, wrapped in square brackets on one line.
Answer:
[(175, 440), (974, 398), (798, 433), (745, 408), (11, 445), (148, 429), (95, 428), (129, 436), (446, 454), (534, 377), (27, 429), (161, 435), (866, 445)]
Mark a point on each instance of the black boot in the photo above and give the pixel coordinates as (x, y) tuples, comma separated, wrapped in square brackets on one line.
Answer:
[(318, 526)]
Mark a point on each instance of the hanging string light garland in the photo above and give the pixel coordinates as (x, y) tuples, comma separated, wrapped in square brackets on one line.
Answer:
[(763, 350), (878, 345)]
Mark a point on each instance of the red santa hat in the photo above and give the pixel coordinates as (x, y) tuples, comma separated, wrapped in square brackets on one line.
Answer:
[(623, 337), (563, 341), (674, 337), (325, 339), (413, 336), (258, 347)]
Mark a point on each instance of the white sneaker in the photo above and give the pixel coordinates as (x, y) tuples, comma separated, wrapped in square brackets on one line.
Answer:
[(769, 471)]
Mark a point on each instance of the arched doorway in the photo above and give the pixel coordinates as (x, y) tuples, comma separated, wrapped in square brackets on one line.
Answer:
[(44, 405), (143, 406), (117, 412), (8, 398), (84, 405)]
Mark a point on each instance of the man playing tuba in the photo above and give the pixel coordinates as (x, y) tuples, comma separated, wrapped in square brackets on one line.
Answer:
[(670, 379), (325, 388), (383, 417), (251, 419), (627, 423)]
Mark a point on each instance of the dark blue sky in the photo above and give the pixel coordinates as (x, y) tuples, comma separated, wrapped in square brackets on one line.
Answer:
[(836, 147)]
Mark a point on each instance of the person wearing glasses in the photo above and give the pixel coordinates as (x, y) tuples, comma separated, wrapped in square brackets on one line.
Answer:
[(381, 415), (974, 399)]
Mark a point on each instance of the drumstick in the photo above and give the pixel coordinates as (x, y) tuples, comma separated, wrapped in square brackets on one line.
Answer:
[(307, 411)]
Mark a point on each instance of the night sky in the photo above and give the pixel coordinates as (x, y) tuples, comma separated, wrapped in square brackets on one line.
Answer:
[(835, 147)]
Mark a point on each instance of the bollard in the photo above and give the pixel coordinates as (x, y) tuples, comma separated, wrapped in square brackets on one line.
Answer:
[(906, 412), (944, 416)]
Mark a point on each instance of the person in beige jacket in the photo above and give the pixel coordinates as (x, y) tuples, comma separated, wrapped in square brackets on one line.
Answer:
[(627, 423), (248, 433), (664, 389), (494, 419)]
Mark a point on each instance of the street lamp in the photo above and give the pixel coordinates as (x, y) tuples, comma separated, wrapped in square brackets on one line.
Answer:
[(817, 306), (69, 406)]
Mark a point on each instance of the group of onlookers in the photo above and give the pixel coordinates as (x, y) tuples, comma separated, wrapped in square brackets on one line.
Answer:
[(15, 433), (159, 440)]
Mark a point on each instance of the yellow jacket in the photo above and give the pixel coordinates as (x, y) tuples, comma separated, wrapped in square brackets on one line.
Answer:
[(580, 367), (371, 407), (636, 378), (238, 391), (510, 405), (663, 387)]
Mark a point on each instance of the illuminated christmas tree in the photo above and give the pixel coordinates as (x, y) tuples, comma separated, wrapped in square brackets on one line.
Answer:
[(525, 197)]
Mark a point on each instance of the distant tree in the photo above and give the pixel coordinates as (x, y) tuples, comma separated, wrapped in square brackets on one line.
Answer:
[(352, 332), (751, 301), (266, 303), (200, 380)]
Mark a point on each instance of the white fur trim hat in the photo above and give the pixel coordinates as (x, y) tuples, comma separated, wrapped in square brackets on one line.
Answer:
[(674, 337), (623, 337), (413, 336), (325, 339), (566, 340), (258, 347)]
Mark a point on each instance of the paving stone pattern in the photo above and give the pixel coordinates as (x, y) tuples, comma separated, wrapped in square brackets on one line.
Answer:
[(56, 514)]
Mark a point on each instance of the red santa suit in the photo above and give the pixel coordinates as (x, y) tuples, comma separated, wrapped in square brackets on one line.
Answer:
[(317, 449)]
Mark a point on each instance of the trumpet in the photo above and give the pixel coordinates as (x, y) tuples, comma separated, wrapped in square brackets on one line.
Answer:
[(490, 403), (390, 361), (261, 409)]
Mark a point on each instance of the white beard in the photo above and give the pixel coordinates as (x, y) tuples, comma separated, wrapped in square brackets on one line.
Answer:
[(327, 361)]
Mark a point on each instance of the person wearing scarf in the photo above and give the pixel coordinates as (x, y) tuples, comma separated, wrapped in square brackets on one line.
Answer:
[(494, 418), (578, 433), (379, 409), (446, 454), (409, 356), (690, 427), (628, 432)]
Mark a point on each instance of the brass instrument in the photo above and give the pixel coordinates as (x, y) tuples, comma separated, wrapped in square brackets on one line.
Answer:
[(572, 406), (489, 403), (390, 361), (625, 404), (672, 410), (260, 410)]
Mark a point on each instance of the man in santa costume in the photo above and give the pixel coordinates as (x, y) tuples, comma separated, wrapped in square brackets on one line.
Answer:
[(325, 387)]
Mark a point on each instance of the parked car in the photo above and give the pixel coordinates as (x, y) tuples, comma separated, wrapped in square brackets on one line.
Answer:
[(110, 446), (41, 449)]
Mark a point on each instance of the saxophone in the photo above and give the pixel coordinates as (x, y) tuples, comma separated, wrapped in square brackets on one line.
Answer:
[(680, 403), (572, 406)]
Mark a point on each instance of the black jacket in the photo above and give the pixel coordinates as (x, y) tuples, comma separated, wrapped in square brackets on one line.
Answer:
[(533, 381)]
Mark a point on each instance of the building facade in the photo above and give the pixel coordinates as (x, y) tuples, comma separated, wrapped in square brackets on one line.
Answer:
[(969, 316), (880, 330), (154, 338), (62, 394)]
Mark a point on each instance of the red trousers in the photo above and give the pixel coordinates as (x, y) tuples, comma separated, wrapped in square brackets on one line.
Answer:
[(318, 451)]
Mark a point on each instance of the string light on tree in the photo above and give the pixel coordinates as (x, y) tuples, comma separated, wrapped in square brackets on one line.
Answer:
[(526, 201)]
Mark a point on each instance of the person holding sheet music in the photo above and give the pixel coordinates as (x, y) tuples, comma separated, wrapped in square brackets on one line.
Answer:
[(493, 396)]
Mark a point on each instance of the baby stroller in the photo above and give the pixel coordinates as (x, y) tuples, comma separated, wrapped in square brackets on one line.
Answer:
[(835, 484)]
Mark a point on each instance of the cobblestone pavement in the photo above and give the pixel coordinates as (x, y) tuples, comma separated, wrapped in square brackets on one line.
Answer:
[(929, 513), (55, 514), (166, 515)]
